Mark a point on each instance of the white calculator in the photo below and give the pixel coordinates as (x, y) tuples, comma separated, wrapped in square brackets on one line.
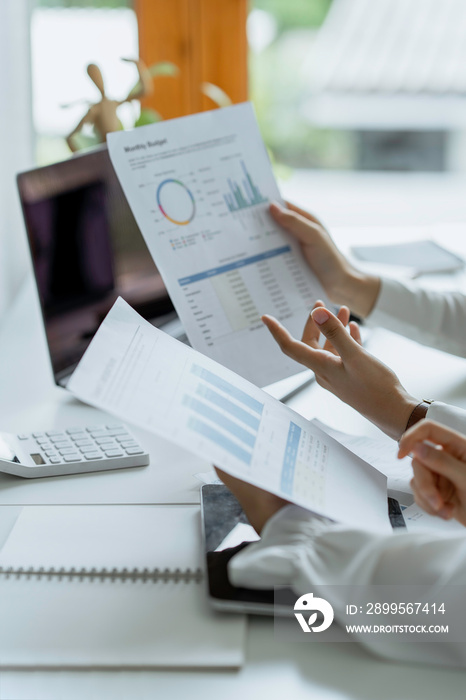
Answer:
[(71, 451)]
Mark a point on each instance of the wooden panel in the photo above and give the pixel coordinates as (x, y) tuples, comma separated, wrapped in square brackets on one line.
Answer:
[(224, 47), (206, 39), (164, 36)]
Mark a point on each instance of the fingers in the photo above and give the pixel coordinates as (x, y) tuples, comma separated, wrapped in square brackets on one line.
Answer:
[(302, 212), (335, 332), (422, 502), (314, 358), (328, 324), (311, 331), (439, 466), (355, 332), (424, 484), (440, 462), (284, 339), (454, 443), (343, 315), (296, 224)]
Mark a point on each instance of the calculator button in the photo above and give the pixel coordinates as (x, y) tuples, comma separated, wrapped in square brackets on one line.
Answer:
[(84, 443), (129, 443), (134, 451), (117, 431), (105, 441), (45, 445), (36, 435), (112, 426), (51, 453), (94, 428), (64, 446), (60, 438), (79, 436), (55, 460), (75, 457), (113, 453), (93, 455), (72, 431), (22, 437), (52, 433), (67, 451), (42, 440), (124, 438), (92, 448), (99, 434)]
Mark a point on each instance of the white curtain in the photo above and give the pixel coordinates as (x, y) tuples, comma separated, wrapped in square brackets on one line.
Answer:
[(16, 139)]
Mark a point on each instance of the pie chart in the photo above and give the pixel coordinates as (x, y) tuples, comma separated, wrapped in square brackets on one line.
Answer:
[(176, 202)]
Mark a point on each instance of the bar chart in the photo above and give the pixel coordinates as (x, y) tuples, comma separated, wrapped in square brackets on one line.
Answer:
[(245, 196), (201, 202), (224, 414)]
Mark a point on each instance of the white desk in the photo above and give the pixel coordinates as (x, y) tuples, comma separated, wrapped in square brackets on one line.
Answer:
[(273, 670), (30, 400)]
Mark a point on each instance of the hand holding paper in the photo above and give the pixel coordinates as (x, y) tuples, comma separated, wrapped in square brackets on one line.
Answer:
[(138, 373)]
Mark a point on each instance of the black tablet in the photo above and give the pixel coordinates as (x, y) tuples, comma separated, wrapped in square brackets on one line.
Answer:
[(226, 531)]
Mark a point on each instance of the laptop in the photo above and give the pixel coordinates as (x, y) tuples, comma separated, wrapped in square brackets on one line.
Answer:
[(87, 250)]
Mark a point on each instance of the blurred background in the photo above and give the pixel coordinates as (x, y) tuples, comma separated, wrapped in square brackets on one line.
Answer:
[(362, 104)]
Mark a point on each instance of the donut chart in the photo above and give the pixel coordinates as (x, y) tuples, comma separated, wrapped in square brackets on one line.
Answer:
[(176, 202)]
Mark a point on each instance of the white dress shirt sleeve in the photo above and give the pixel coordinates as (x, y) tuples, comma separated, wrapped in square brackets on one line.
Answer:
[(312, 554), (451, 416), (433, 318), (309, 553)]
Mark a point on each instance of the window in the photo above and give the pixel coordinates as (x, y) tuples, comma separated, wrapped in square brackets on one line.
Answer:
[(65, 37)]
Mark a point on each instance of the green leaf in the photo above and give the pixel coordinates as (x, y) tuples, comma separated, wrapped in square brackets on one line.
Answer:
[(156, 70), (163, 68), (216, 94), (148, 116)]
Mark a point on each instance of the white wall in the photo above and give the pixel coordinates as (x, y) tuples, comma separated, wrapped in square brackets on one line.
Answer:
[(16, 139)]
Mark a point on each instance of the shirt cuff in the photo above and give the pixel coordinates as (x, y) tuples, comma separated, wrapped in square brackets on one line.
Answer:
[(450, 416), (391, 299)]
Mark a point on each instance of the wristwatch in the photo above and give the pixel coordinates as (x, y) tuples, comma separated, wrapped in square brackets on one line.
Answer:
[(419, 413)]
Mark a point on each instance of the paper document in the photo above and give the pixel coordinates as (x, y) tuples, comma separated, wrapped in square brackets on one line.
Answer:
[(111, 537), (381, 453), (417, 520), (141, 374), (199, 188)]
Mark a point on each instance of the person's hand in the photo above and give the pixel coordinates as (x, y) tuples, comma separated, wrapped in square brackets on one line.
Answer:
[(311, 333), (347, 370), (259, 505), (342, 282), (439, 466)]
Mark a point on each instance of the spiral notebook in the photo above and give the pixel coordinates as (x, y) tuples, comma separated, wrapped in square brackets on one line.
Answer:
[(104, 586)]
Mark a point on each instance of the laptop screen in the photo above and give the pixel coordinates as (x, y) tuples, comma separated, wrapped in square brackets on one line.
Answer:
[(86, 250)]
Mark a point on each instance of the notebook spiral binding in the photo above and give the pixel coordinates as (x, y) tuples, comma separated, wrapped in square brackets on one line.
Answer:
[(124, 575)]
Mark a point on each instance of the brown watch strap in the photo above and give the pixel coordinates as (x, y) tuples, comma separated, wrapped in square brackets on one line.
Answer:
[(418, 413)]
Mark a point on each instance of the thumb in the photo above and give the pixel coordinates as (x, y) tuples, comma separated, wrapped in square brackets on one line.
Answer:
[(335, 332), (300, 227)]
